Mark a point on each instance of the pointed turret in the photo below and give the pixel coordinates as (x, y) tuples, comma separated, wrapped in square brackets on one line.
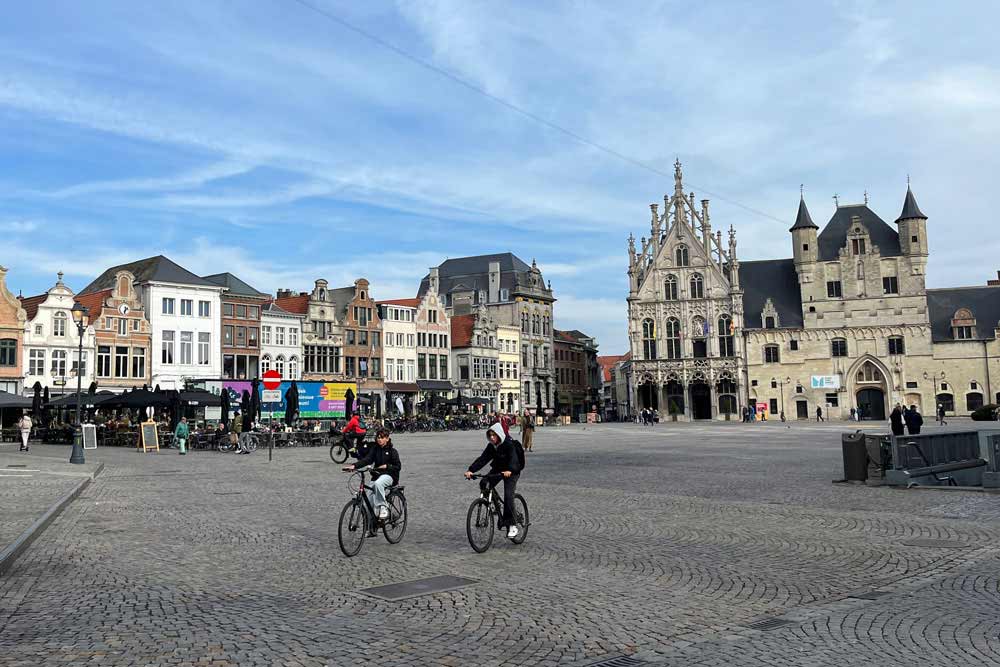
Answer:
[(803, 220), (912, 226), (910, 209)]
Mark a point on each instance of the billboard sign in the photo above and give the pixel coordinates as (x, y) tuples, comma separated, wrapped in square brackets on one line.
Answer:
[(826, 382), (317, 400)]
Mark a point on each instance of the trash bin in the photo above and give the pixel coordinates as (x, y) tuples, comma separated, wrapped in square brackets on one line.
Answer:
[(855, 457)]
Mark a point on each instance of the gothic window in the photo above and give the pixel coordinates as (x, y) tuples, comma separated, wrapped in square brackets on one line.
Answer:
[(681, 255), (725, 331), (670, 288), (838, 347), (648, 339), (673, 338), (869, 373), (697, 287)]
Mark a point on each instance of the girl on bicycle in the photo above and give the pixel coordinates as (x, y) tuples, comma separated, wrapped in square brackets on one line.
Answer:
[(383, 459)]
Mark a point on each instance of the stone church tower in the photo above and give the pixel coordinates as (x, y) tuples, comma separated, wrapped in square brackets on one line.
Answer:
[(685, 313)]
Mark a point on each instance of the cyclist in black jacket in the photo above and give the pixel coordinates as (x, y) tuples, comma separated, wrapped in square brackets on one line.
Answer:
[(504, 462), (383, 459)]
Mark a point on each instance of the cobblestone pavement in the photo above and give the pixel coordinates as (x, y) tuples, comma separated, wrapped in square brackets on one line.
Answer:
[(29, 485), (664, 543)]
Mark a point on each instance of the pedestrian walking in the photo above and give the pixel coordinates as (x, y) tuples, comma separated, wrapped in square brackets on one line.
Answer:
[(181, 434), (854, 415), (896, 420), (527, 431), (940, 415), (819, 414), (24, 426), (913, 420)]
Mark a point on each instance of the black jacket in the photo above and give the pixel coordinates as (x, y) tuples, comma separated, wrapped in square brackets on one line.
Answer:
[(501, 458), (912, 419), (379, 456)]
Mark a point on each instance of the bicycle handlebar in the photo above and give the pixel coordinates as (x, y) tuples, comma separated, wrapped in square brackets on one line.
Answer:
[(493, 474)]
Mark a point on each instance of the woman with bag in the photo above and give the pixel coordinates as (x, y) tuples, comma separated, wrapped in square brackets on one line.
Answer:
[(24, 425)]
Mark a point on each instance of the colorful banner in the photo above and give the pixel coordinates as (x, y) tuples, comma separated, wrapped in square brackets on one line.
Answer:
[(317, 400)]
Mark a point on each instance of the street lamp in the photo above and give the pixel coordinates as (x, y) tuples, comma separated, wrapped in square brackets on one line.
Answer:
[(79, 313), (934, 378), (781, 383)]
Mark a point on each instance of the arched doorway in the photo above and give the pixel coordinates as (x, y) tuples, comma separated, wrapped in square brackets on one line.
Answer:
[(871, 402), (647, 396), (870, 388), (673, 390), (701, 400)]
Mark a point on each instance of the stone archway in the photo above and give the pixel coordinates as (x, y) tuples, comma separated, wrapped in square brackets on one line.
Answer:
[(647, 392), (869, 382)]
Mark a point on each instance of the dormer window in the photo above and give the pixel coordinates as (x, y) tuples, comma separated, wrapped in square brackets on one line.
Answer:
[(857, 246), (681, 255), (963, 324)]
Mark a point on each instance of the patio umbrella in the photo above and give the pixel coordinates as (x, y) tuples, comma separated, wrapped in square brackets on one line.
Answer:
[(46, 417), (538, 398), (12, 401), (245, 410), (348, 403), (93, 388), (225, 406), (291, 403), (175, 409), (199, 397), (255, 400), (378, 406), (36, 401)]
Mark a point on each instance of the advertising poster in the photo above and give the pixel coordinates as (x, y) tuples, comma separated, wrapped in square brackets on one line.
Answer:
[(317, 400)]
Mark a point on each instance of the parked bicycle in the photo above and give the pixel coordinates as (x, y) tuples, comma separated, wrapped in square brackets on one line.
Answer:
[(485, 514), (248, 441), (358, 519)]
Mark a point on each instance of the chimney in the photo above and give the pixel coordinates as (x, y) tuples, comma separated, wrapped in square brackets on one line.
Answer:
[(435, 281), (494, 293), (284, 293)]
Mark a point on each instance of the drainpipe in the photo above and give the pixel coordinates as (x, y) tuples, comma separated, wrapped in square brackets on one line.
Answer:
[(986, 359)]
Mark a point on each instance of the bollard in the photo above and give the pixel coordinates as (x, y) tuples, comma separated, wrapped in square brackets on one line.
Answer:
[(270, 446)]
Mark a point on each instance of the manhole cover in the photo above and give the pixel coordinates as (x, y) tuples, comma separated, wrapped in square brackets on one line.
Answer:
[(938, 544), (17, 465), (869, 595), (412, 589), (769, 624), (620, 661)]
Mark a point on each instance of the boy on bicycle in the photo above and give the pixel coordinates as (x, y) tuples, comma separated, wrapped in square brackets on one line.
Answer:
[(501, 454), (383, 459), (355, 431)]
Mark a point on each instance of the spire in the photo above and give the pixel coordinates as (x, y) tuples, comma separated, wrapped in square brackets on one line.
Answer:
[(803, 220), (678, 179), (910, 208)]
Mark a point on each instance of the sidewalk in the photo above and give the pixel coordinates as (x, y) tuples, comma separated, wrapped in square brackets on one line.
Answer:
[(33, 490)]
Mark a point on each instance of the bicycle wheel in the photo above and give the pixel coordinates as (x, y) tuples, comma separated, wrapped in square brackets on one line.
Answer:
[(395, 526), (226, 445), (338, 452), (353, 527), (520, 518), (479, 525), (252, 443)]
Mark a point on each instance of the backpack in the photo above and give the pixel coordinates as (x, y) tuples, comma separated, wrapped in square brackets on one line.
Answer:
[(519, 452), (361, 423)]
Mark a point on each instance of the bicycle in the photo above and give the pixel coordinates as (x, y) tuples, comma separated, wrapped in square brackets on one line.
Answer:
[(358, 520), (247, 441), (340, 450), (485, 514)]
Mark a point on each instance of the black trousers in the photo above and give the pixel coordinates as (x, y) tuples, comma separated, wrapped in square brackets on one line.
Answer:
[(509, 485)]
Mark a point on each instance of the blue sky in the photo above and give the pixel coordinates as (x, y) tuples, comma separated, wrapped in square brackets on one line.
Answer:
[(263, 139)]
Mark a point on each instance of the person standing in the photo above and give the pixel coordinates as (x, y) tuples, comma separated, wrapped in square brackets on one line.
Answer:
[(527, 431), (940, 415), (819, 414), (913, 420), (854, 415), (24, 426), (896, 420), (181, 434)]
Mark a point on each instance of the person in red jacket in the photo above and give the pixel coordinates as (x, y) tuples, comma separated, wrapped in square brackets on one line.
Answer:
[(353, 431)]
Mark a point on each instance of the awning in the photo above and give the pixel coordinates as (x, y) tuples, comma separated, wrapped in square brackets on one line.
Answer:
[(14, 401), (401, 387), (435, 385)]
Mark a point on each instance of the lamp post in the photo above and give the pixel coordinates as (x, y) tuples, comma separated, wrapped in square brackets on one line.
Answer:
[(934, 378), (781, 384), (79, 313)]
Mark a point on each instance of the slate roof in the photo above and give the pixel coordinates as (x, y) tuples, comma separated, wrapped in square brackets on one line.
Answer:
[(834, 235), (158, 268), (803, 220), (910, 208), (461, 330), (984, 302), (473, 273), (341, 297), (234, 285), (31, 303), (773, 279)]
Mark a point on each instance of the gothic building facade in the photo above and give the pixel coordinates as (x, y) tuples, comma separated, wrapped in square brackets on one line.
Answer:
[(846, 323)]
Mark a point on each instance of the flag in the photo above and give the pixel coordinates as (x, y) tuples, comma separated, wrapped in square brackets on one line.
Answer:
[(704, 328)]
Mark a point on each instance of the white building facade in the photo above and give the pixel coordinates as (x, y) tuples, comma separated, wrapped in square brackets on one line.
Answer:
[(399, 352), (281, 342), (51, 343)]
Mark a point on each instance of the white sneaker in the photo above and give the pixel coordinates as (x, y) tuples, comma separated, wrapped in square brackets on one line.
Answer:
[(512, 533)]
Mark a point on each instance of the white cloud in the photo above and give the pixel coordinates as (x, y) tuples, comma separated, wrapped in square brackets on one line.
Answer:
[(191, 179), (18, 226)]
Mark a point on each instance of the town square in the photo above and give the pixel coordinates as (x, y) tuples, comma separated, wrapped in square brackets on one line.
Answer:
[(459, 333)]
